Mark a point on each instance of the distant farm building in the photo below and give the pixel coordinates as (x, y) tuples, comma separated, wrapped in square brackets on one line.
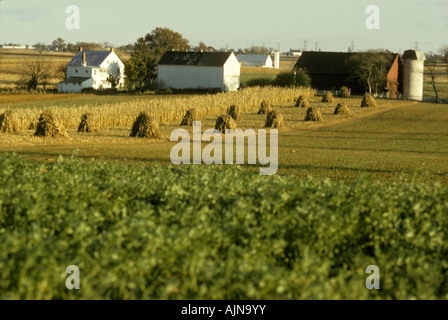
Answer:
[(331, 70), (18, 46), (91, 69), (255, 60), (200, 70), (295, 53)]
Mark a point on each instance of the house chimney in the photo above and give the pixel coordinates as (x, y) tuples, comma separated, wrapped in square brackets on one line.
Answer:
[(112, 50), (84, 62), (80, 48)]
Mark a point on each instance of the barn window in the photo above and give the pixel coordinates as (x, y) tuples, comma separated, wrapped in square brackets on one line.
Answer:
[(87, 71), (76, 70)]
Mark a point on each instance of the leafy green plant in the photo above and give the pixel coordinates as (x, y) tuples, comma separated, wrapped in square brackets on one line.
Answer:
[(214, 232)]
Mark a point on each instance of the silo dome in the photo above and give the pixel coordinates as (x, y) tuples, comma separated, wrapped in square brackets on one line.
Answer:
[(413, 74)]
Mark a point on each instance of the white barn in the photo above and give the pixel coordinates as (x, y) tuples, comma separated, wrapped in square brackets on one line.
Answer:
[(255, 60), (90, 69), (200, 70)]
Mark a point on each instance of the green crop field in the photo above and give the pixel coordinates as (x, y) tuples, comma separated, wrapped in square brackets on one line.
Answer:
[(164, 232)]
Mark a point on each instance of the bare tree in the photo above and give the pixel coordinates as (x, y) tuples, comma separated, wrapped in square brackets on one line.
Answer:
[(370, 68), (201, 47), (431, 66), (60, 71), (59, 44), (444, 52), (36, 71), (258, 50), (114, 76), (40, 47)]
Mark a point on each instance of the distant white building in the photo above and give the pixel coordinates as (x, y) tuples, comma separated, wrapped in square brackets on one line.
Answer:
[(90, 69), (295, 53), (200, 70), (255, 60), (14, 46)]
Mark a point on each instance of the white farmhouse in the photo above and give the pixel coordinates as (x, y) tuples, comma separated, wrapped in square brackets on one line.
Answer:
[(200, 70), (255, 60), (90, 69)]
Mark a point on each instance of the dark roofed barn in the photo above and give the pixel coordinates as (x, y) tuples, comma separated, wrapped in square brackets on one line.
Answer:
[(331, 70)]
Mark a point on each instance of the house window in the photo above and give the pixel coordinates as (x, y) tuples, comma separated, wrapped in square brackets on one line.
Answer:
[(76, 70), (87, 71), (94, 72)]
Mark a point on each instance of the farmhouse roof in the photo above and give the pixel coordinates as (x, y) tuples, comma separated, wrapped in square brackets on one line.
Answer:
[(93, 58), (331, 62), (75, 80), (260, 58), (206, 59)]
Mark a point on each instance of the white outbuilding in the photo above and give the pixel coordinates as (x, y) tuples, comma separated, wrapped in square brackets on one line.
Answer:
[(199, 70), (255, 60), (91, 69)]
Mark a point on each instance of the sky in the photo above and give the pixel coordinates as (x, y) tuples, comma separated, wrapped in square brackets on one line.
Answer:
[(327, 25)]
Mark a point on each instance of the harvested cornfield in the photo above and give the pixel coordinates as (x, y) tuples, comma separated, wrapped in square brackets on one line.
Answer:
[(302, 102), (234, 112), (49, 126), (145, 126), (225, 122), (265, 108), (328, 97), (313, 114), (32, 125), (368, 101), (344, 92), (121, 112), (274, 120), (190, 116), (342, 109), (89, 123), (8, 123)]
